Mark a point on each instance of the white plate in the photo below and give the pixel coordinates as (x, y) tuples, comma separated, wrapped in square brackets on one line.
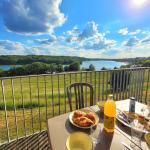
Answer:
[(126, 124), (87, 111)]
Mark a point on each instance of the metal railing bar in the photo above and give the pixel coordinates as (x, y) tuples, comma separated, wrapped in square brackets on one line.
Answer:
[(127, 83), (130, 87), (103, 85), (52, 95), (46, 100), (117, 91), (75, 77), (95, 88), (138, 83), (32, 121), (91, 81), (142, 85), (106, 85), (86, 90), (120, 95), (135, 82), (58, 93), (38, 92), (131, 82), (65, 91), (123, 86), (113, 82), (6, 115), (70, 78), (98, 86), (23, 109), (147, 86), (14, 105), (91, 78), (81, 77)]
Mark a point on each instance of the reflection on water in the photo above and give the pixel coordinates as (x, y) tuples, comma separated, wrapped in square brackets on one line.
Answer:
[(101, 63)]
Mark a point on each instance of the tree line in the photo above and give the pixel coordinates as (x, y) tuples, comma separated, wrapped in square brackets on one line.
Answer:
[(138, 63), (29, 59), (42, 68)]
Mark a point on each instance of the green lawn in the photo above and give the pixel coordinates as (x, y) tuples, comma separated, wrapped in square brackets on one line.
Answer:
[(35, 98)]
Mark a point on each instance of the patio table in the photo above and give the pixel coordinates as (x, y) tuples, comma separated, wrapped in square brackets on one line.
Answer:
[(59, 128)]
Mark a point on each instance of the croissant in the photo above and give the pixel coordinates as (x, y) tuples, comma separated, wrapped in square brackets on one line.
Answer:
[(79, 114), (83, 121), (90, 116)]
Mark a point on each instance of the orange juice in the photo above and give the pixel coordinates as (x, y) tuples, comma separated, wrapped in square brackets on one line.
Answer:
[(109, 114)]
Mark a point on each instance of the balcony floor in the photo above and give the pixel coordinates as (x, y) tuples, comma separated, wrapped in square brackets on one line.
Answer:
[(37, 141)]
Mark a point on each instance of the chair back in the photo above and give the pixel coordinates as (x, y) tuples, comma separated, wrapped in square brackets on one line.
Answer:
[(79, 92)]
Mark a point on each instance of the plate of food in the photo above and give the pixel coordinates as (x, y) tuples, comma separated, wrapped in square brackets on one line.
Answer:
[(126, 117), (83, 118)]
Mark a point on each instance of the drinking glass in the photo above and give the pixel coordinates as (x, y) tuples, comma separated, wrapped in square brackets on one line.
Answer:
[(148, 107), (136, 134), (95, 132)]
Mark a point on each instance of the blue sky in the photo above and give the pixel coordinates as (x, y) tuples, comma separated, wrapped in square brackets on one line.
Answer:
[(86, 28)]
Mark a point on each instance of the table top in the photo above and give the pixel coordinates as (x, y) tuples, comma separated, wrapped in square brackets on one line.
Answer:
[(59, 128)]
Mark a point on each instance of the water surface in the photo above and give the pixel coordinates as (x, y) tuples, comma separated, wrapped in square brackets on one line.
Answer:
[(102, 63)]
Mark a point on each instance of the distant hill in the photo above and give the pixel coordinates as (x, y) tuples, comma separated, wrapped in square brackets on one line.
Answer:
[(29, 59)]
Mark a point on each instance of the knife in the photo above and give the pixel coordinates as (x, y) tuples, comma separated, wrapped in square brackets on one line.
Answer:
[(127, 146)]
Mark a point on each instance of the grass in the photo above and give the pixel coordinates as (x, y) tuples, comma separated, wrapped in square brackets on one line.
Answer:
[(30, 100)]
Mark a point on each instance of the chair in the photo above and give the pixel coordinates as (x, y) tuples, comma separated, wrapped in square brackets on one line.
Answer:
[(79, 94)]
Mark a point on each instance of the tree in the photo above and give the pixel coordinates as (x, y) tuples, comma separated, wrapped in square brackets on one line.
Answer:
[(15, 71), (66, 68), (36, 68), (75, 66), (104, 68), (115, 67), (146, 63), (91, 67), (59, 68)]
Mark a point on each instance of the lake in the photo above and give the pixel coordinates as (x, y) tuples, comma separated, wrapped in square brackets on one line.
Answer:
[(7, 67), (85, 64), (102, 63)]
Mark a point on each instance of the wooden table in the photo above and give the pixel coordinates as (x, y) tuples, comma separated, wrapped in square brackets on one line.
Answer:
[(59, 128)]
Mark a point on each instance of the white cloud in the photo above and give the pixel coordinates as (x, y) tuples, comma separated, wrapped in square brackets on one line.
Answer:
[(32, 16), (13, 48), (99, 44), (146, 39), (134, 32), (51, 39), (125, 31), (131, 42), (90, 30), (89, 38)]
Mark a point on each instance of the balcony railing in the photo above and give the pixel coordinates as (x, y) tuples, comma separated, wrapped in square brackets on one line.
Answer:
[(26, 102)]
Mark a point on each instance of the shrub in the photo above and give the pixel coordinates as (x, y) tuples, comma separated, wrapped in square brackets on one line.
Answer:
[(75, 66), (91, 67)]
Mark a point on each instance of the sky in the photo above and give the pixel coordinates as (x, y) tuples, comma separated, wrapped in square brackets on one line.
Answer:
[(85, 28)]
